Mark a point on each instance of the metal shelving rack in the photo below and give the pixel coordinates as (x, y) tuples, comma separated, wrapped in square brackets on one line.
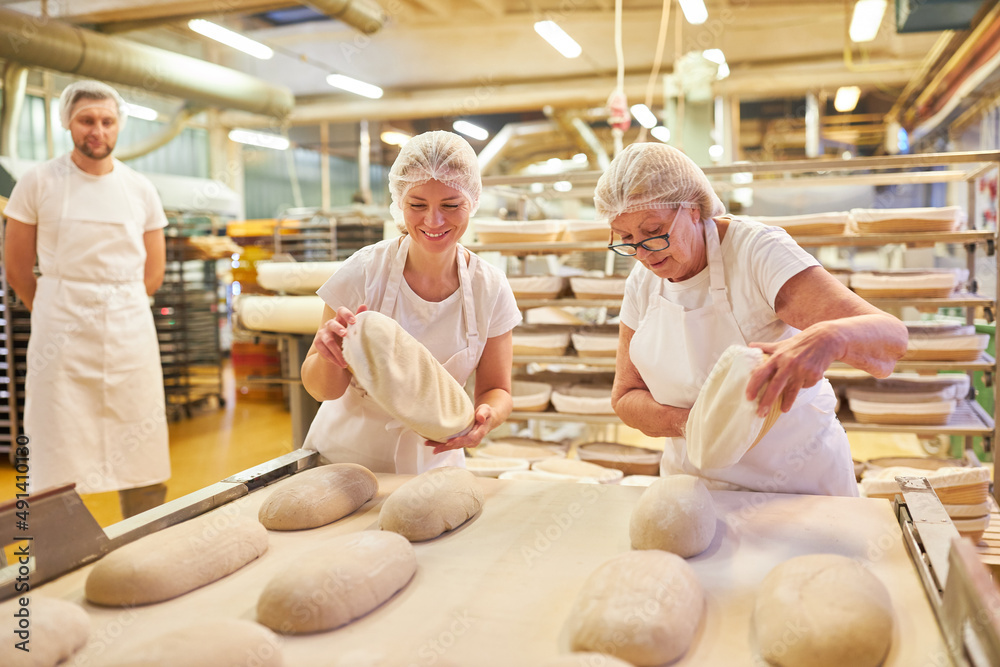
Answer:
[(969, 419), (187, 316), (315, 235), (15, 326)]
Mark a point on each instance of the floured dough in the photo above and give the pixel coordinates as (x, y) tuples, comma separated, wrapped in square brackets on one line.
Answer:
[(436, 501), (840, 612), (641, 606), (575, 468), (675, 514), (227, 642), (176, 560), (318, 496), (58, 629), (585, 660), (723, 424), (405, 379), (349, 576)]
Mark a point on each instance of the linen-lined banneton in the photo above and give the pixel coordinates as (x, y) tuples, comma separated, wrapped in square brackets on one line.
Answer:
[(405, 379)]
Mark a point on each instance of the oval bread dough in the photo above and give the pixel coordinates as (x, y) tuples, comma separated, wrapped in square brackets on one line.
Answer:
[(345, 579), (643, 607), (675, 514), (405, 379), (577, 468), (432, 503), (176, 560), (839, 612), (58, 630), (228, 642), (318, 496), (585, 660)]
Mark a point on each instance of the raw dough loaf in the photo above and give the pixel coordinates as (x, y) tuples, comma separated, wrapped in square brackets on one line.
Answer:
[(176, 560), (675, 514), (317, 497), (641, 606), (575, 468), (841, 613), (585, 660), (723, 425), (228, 642), (405, 379), (58, 630), (345, 579), (436, 501)]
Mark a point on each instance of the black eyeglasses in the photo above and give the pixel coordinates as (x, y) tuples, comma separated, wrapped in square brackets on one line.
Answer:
[(652, 244)]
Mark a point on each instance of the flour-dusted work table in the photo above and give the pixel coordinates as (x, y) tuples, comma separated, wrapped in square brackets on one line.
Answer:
[(498, 590)]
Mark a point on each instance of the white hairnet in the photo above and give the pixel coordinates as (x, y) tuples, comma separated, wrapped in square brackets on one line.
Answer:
[(441, 156), (91, 90), (651, 176)]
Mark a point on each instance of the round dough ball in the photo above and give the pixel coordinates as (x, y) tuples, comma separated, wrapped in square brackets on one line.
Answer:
[(823, 610), (674, 514), (432, 503), (642, 606), (58, 630), (318, 496)]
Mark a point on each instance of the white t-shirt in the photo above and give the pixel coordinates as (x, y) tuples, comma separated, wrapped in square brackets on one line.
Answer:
[(758, 260), (39, 195), (438, 325)]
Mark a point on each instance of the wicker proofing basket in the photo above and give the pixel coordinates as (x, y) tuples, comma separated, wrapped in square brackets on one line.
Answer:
[(769, 420)]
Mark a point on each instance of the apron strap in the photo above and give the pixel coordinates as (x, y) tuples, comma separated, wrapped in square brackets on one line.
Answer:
[(395, 277), (716, 272), (468, 301)]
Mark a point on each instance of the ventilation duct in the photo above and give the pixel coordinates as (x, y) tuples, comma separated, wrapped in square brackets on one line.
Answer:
[(44, 42), (363, 15)]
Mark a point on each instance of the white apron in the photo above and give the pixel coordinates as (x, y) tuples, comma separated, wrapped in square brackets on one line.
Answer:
[(354, 429), (94, 408), (674, 350)]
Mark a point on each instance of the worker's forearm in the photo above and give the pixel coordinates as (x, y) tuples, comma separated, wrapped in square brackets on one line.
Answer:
[(872, 343), (324, 380), (153, 283), (637, 408), (24, 284), (502, 404)]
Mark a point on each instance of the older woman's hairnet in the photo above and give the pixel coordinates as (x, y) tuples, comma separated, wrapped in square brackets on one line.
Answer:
[(651, 176), (440, 156), (90, 90)]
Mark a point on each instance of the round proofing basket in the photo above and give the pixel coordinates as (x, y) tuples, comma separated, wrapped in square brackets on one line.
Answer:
[(630, 460), (909, 293)]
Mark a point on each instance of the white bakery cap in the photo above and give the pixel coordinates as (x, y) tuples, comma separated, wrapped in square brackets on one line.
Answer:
[(648, 176), (441, 156), (91, 90)]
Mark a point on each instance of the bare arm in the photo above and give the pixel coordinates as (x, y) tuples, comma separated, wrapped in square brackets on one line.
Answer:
[(632, 401), (156, 260), (493, 397), (836, 325), (19, 259), (324, 370)]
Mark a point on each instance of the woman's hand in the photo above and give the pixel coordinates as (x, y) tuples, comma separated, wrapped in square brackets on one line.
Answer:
[(795, 363), (330, 336), (481, 426)]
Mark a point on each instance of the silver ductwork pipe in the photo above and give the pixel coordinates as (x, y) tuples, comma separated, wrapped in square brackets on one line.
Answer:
[(364, 15), (15, 80), (161, 138), (38, 41)]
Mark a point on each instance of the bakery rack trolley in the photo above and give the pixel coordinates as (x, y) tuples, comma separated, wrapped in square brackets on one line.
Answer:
[(317, 235), (15, 328)]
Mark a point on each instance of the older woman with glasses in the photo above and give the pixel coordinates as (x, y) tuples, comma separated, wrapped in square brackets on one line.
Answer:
[(704, 281)]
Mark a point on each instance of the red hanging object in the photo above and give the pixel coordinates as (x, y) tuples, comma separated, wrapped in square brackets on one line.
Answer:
[(619, 116)]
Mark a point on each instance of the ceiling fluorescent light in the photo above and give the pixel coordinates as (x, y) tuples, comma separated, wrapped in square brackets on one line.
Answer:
[(261, 139), (866, 20), (661, 133), (354, 86), (558, 38), (139, 111), (847, 98), (694, 11), (395, 137), (645, 117), (230, 38), (470, 130)]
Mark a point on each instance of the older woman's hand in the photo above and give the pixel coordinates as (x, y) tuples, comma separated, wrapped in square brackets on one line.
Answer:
[(795, 363), (481, 426), (330, 336)]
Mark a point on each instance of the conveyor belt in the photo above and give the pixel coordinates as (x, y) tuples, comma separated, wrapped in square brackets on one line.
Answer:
[(498, 590)]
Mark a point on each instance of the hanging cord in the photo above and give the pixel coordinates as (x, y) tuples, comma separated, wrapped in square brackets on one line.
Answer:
[(617, 132), (661, 42)]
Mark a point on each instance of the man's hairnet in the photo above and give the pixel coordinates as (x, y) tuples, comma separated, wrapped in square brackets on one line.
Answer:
[(440, 156), (650, 176), (89, 90)]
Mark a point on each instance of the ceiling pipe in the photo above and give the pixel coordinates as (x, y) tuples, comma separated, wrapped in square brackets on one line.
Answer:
[(363, 15), (15, 81), (161, 138), (38, 41)]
